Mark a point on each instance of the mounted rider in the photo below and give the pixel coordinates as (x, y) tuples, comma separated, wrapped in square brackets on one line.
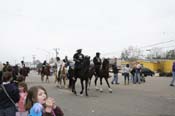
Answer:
[(23, 70), (45, 71), (97, 63), (78, 58)]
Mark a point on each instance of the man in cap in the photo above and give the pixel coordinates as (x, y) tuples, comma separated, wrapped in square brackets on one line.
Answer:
[(22, 64), (97, 64), (78, 58)]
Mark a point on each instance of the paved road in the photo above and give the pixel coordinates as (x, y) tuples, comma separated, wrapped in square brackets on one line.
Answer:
[(153, 98)]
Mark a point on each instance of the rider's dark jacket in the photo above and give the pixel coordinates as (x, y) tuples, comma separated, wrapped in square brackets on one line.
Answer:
[(97, 61), (78, 58)]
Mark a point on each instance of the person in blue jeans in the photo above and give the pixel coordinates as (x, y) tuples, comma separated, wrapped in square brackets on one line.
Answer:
[(173, 74), (115, 71), (137, 75)]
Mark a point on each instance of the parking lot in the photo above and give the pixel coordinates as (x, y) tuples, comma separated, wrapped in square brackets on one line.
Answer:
[(153, 98)]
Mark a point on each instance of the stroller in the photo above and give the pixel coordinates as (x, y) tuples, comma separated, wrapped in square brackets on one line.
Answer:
[(142, 78)]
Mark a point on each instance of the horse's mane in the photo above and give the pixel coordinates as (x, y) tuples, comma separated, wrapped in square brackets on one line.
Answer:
[(105, 64)]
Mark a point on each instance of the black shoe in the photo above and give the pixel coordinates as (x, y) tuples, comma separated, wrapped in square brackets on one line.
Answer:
[(171, 85), (112, 83)]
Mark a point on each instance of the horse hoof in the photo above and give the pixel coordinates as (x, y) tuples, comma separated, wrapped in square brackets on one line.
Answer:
[(87, 95), (110, 89), (96, 88), (58, 86), (75, 92), (81, 92)]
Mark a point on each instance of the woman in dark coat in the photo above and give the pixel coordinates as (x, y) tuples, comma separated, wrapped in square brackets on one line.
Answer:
[(7, 108)]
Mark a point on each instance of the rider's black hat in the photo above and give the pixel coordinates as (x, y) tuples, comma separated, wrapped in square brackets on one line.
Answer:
[(97, 53), (79, 50)]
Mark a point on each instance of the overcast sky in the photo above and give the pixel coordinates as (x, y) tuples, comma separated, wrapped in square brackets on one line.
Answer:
[(35, 27)]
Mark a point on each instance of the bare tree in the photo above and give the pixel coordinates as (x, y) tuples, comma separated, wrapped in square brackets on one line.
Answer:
[(170, 54), (155, 53), (131, 53)]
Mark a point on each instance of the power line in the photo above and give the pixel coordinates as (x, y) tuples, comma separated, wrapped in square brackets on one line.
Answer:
[(169, 46), (152, 45)]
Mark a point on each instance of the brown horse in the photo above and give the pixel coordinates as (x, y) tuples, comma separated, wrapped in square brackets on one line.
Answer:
[(62, 75), (45, 71), (24, 72)]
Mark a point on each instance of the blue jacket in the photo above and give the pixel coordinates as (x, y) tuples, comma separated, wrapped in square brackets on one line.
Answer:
[(36, 110)]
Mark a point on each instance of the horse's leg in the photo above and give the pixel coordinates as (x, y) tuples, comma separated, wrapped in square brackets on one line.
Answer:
[(82, 86), (96, 78), (42, 77), (106, 79), (89, 83), (64, 81), (47, 78), (101, 89), (109, 88), (73, 86), (61, 78), (24, 78), (58, 81), (70, 82), (55, 75), (86, 85)]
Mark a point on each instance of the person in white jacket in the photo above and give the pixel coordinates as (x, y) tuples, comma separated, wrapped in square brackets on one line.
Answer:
[(58, 67)]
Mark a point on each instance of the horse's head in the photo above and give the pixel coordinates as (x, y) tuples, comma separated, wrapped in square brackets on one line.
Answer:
[(105, 61), (86, 61), (105, 64)]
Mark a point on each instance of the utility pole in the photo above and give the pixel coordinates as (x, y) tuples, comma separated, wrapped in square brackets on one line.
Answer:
[(56, 51), (34, 56)]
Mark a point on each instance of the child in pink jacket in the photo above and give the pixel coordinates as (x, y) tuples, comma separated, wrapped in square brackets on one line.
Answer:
[(23, 93)]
